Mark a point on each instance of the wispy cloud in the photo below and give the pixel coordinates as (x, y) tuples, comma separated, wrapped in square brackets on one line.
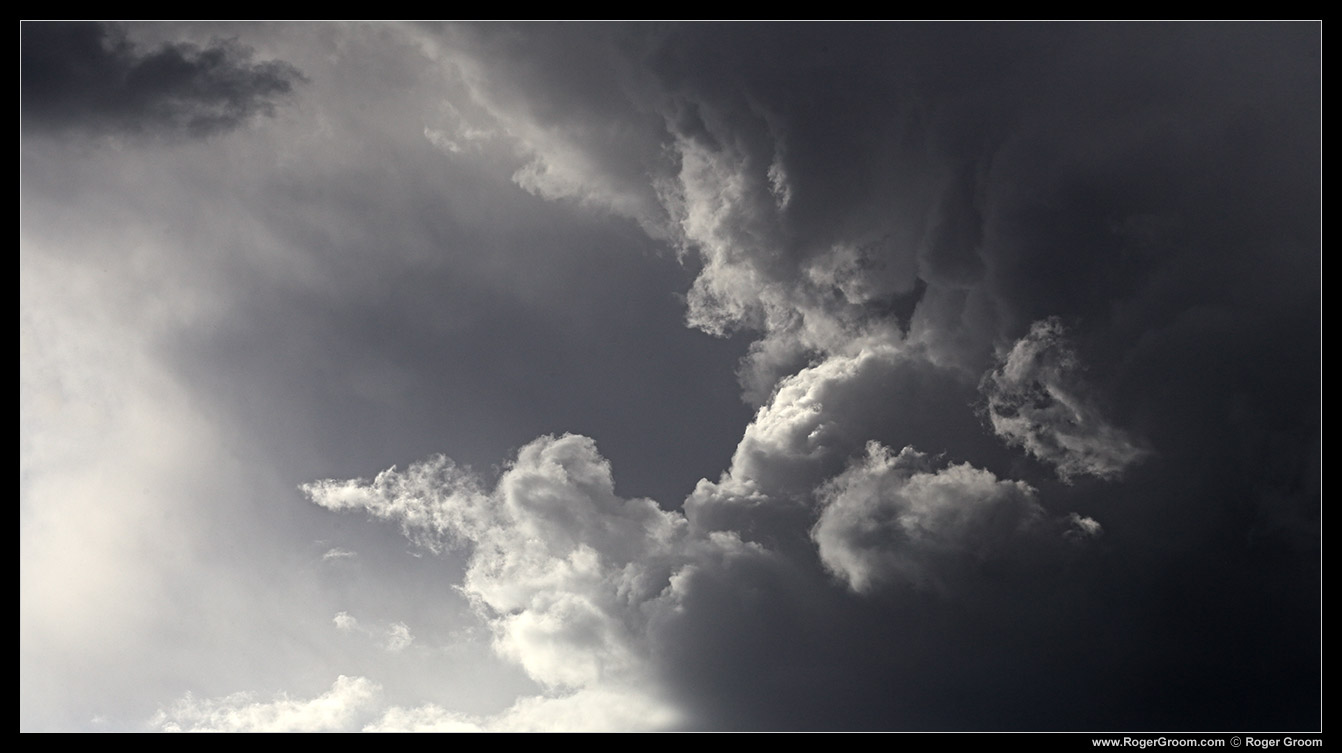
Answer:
[(394, 637), (1039, 400)]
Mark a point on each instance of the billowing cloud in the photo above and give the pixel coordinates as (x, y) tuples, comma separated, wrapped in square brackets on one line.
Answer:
[(581, 588), (472, 239), (876, 274), (1038, 400), (338, 709), (87, 76), (567, 574), (898, 518)]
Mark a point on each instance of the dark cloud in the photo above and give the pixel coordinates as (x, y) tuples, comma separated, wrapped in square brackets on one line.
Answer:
[(1030, 321), (1038, 400), (88, 76), (1154, 186)]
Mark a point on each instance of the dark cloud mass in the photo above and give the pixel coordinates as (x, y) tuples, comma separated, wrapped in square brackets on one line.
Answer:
[(88, 76), (1024, 321)]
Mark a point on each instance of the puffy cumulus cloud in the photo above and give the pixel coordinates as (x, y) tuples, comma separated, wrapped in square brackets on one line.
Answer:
[(785, 448), (88, 76), (340, 709), (898, 518), (823, 416), (800, 437), (345, 622), (1038, 400), (806, 297), (606, 602), (566, 573)]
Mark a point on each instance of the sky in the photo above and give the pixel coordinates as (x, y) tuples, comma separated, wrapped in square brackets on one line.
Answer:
[(641, 377)]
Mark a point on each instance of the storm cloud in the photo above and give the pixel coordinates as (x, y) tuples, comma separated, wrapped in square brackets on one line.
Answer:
[(696, 376), (89, 76)]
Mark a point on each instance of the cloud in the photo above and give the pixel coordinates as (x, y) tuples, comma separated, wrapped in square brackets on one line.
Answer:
[(88, 76), (588, 710), (593, 595), (1038, 400), (357, 704), (336, 553), (344, 622), (566, 574), (898, 518), (395, 637), (878, 239), (868, 215), (339, 709), (709, 172), (398, 637)]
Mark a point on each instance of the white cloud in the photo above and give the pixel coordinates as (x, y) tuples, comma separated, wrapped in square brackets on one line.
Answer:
[(336, 553), (579, 586), (434, 501), (427, 718), (344, 622), (1037, 400), (613, 709), (562, 569), (354, 703), (340, 709)]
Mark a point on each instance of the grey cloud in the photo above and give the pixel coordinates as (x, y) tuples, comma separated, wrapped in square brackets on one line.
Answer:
[(819, 419), (899, 518), (884, 209), (599, 597), (87, 76), (1121, 177), (715, 170), (593, 595), (1039, 400)]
